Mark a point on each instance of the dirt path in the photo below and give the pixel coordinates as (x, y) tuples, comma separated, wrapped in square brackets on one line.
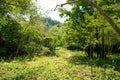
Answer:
[(69, 55)]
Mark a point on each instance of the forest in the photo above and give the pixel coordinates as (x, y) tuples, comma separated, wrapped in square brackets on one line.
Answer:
[(86, 46)]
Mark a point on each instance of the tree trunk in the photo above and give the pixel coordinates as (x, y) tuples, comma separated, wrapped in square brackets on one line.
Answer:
[(102, 54), (97, 46), (90, 51)]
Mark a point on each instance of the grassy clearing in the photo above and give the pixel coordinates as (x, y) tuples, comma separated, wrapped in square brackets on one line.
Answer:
[(67, 65)]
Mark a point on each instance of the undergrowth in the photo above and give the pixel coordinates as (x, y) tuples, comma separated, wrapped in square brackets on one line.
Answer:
[(66, 65)]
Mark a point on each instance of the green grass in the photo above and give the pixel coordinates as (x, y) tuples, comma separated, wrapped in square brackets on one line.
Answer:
[(66, 65)]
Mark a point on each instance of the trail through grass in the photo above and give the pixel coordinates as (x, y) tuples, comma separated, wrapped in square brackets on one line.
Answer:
[(66, 65)]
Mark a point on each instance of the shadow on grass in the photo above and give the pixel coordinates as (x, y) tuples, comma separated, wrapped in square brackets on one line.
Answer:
[(21, 58), (17, 58), (107, 63)]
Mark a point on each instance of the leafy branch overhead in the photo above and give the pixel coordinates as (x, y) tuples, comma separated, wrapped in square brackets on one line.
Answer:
[(101, 11)]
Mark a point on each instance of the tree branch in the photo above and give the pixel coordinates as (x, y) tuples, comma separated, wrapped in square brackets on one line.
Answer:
[(105, 15), (61, 5)]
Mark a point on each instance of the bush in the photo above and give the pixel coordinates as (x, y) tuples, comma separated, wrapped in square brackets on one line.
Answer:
[(9, 37), (46, 51)]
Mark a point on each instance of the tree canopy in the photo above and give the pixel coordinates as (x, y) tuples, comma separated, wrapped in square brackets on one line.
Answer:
[(88, 5)]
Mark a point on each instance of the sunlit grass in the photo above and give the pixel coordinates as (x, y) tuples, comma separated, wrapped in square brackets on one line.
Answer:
[(61, 67)]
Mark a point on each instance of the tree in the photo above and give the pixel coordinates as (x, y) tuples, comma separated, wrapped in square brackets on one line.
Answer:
[(105, 15), (31, 37), (12, 15), (85, 19)]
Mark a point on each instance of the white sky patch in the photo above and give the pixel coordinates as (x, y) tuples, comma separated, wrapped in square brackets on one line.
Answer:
[(50, 5)]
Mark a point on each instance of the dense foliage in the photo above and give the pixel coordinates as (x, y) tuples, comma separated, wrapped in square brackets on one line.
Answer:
[(35, 47), (87, 29), (23, 31)]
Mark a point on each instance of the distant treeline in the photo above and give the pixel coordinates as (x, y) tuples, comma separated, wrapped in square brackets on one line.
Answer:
[(50, 22)]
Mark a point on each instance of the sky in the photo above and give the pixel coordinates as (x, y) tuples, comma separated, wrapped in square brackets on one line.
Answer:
[(50, 5)]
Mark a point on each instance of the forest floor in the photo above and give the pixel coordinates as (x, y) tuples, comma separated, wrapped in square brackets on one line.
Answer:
[(66, 65)]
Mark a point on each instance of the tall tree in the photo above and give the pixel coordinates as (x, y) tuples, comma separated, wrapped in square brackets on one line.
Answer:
[(12, 14), (84, 18), (94, 4)]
